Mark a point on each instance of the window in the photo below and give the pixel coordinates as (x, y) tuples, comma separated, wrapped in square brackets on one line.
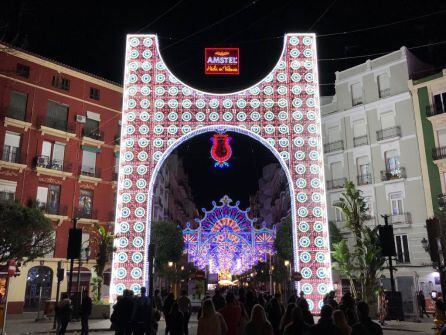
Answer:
[(387, 120), (95, 93), (364, 173), (359, 128), (60, 82), (333, 134), (48, 198), (402, 249), (85, 208), (88, 163), (85, 245), (396, 203), (383, 85), (17, 105), (440, 102), (56, 115), (356, 94), (337, 171), (11, 148), (339, 215), (392, 158), (441, 137), (7, 190), (52, 155), (91, 128), (22, 70)]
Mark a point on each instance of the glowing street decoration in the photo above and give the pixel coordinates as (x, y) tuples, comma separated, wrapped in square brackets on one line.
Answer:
[(281, 111), (221, 150), (226, 240), (222, 61)]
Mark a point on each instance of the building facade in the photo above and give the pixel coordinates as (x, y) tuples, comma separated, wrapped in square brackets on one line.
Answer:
[(370, 138), (59, 141)]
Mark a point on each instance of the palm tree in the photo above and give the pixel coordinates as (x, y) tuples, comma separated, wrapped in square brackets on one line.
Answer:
[(104, 242)]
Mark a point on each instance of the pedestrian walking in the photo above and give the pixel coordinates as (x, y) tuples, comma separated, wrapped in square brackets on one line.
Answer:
[(185, 307), (274, 311), (365, 325), (167, 307), (211, 322), (325, 324), (287, 317), (85, 312), (63, 314), (258, 324), (142, 316), (122, 314), (421, 304), (176, 325), (232, 314), (340, 321), (382, 306), (303, 304), (218, 300), (297, 326)]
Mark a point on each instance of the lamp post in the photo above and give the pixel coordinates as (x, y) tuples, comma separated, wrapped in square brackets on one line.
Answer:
[(288, 265)]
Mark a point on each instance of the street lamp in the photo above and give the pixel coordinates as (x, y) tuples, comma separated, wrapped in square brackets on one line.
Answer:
[(169, 264)]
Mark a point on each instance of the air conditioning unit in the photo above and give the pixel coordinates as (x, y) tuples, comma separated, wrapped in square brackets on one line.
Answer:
[(81, 118)]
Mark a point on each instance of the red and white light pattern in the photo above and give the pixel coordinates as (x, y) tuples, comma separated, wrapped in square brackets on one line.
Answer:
[(281, 111)]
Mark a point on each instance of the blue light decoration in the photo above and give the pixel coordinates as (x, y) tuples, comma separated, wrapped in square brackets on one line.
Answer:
[(226, 240), (221, 150)]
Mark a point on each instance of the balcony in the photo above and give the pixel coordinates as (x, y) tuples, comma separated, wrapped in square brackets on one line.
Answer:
[(89, 174), (365, 179), (11, 158), (384, 93), (17, 118), (387, 133), (442, 200), (433, 110), (334, 146), (335, 183), (56, 127), (52, 167), (92, 137), (54, 212), (401, 219), (360, 141), (87, 215), (357, 101), (6, 196), (439, 153), (398, 173)]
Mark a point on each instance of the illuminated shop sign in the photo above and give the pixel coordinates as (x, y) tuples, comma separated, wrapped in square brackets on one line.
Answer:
[(221, 61)]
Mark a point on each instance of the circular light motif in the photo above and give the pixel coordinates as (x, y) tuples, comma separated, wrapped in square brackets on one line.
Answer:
[(309, 89), (144, 116), (186, 103), (141, 183), (134, 54), (315, 183), (147, 42), (241, 116), (137, 257), (213, 116), (213, 103), (136, 288), (138, 227), (296, 90), (123, 242), (160, 78), (128, 169), (269, 78), (131, 116), (283, 142), (172, 129), (307, 40), (318, 212), (310, 102), (119, 289), (310, 304), (319, 242), (285, 155), (120, 273), (241, 103), (295, 65), (307, 288), (131, 103), (298, 128), (145, 90), (302, 212), (269, 129), (312, 128), (268, 103), (143, 142), (200, 103), (141, 169), (158, 142), (122, 257), (301, 169), (133, 66), (255, 129), (308, 65), (308, 53), (186, 91), (302, 197), (320, 257), (158, 129), (172, 103), (186, 129), (269, 116), (146, 78), (304, 226), (138, 242), (126, 198), (299, 141), (132, 90), (159, 90), (306, 273), (144, 129), (294, 53), (140, 198), (311, 115), (136, 273), (282, 103), (297, 115), (282, 90), (281, 77), (309, 77), (321, 273), (133, 78), (271, 141), (305, 257), (186, 116), (227, 103), (304, 242), (296, 77), (173, 116), (160, 66), (314, 155), (146, 66), (254, 90), (297, 102), (144, 103), (134, 42), (173, 90), (127, 183), (142, 156), (294, 40), (283, 129), (128, 156), (315, 169), (301, 183), (268, 90), (147, 54), (158, 116), (316, 197), (312, 141), (227, 116), (200, 116), (299, 155), (281, 65), (282, 116), (322, 288), (159, 103), (255, 116)]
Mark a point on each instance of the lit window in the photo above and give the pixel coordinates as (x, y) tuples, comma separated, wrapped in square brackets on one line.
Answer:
[(396, 203), (402, 249)]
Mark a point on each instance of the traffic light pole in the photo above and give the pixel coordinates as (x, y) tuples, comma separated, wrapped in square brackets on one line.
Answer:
[(391, 269), (59, 269), (70, 278)]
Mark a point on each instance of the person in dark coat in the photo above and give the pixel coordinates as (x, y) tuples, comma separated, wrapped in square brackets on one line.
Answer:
[(421, 304), (308, 317), (122, 314), (142, 318), (63, 314), (365, 326), (325, 324), (85, 312), (297, 326), (348, 306), (176, 324), (274, 311), (167, 307), (218, 300)]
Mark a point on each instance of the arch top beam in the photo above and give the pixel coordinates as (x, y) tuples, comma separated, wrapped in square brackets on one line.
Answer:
[(281, 111)]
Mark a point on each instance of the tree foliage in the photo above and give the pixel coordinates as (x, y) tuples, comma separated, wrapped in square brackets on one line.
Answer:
[(284, 239), (103, 239), (168, 241), (364, 261), (25, 233)]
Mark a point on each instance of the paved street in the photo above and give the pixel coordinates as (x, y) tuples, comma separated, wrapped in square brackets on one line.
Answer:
[(25, 324)]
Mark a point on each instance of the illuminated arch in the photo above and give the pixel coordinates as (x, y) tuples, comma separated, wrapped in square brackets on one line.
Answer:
[(281, 111)]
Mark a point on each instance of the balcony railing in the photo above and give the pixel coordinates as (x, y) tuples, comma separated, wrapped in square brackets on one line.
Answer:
[(62, 125), (17, 114), (438, 153), (388, 133), (334, 146), (384, 93), (335, 183), (6, 196), (53, 164), (90, 171), (442, 200), (403, 218), (365, 179), (360, 140), (87, 213), (52, 209), (393, 174), (357, 101), (11, 154), (433, 110), (95, 134)]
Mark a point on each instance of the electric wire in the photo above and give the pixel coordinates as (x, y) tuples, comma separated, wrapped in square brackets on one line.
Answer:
[(160, 16), (322, 15)]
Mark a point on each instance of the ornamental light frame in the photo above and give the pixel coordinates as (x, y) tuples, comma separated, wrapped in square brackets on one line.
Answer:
[(282, 111)]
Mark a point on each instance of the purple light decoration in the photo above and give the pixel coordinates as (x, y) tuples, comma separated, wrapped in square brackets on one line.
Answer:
[(221, 150), (226, 240)]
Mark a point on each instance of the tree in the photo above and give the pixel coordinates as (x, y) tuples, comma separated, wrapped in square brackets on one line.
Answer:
[(168, 241), (25, 233), (104, 243), (284, 239), (364, 261)]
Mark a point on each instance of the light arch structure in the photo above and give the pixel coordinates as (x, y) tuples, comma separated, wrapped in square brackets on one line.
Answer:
[(282, 111)]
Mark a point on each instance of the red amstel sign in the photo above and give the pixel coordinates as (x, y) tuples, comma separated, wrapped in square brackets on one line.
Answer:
[(224, 61)]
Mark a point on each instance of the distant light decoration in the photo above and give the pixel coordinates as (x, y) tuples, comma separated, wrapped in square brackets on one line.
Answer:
[(226, 240), (221, 150)]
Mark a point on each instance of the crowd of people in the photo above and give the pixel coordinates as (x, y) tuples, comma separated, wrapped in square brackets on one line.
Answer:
[(242, 312)]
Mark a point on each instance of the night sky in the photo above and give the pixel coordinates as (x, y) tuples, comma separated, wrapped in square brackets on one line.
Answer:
[(90, 35)]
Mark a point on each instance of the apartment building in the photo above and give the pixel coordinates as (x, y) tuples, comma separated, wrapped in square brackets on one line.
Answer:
[(370, 138)]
